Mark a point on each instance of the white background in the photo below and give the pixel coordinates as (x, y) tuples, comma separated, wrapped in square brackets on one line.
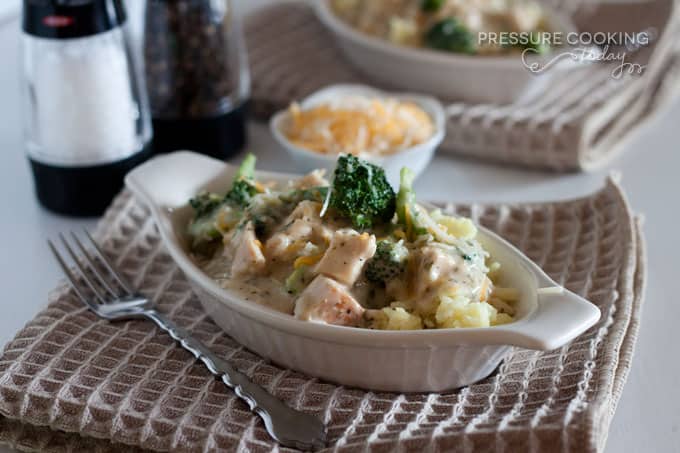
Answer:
[(9, 8), (648, 417)]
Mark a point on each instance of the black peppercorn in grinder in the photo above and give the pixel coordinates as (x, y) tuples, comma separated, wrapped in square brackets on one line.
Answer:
[(196, 75)]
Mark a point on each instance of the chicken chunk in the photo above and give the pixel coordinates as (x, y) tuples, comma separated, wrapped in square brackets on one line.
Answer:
[(346, 255), (437, 267), (280, 245), (248, 256), (314, 178), (326, 300), (307, 210), (302, 225), (433, 265)]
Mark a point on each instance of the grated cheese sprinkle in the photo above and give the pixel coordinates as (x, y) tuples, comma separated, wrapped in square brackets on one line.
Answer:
[(362, 126), (307, 260)]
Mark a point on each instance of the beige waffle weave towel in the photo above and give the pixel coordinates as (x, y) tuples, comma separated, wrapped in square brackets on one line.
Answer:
[(72, 382), (575, 120)]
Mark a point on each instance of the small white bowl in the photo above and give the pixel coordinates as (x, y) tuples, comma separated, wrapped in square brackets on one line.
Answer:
[(416, 157), (469, 78), (548, 316)]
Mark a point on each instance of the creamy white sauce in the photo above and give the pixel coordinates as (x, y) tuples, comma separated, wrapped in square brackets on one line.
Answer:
[(298, 238)]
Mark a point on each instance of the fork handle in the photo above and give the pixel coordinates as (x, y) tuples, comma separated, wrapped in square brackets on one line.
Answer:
[(290, 427)]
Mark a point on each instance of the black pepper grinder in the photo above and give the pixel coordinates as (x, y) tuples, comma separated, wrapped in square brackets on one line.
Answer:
[(197, 76)]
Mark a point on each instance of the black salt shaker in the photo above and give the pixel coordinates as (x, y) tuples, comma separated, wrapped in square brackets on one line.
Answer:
[(197, 76)]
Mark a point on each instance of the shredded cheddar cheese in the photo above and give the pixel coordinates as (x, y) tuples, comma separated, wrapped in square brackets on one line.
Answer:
[(483, 292), (307, 260), (361, 126)]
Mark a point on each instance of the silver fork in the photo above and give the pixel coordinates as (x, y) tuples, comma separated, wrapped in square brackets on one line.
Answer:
[(109, 295)]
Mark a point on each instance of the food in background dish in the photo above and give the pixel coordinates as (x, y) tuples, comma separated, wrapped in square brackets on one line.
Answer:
[(447, 25), (351, 252), (360, 125)]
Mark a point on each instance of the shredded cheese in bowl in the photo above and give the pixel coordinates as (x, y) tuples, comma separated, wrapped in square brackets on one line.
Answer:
[(359, 125)]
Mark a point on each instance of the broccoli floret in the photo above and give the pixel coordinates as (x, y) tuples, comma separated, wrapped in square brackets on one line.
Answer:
[(361, 193), (407, 214), (450, 35), (243, 187), (203, 228), (205, 202), (247, 168), (431, 5), (388, 262), (240, 193), (406, 197)]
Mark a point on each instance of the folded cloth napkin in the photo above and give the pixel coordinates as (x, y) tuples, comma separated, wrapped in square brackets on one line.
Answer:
[(574, 118), (70, 381)]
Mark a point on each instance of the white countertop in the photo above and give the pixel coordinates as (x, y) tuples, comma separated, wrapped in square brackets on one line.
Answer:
[(9, 9), (648, 417)]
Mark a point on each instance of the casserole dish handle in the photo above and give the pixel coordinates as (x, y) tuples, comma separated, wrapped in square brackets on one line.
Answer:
[(169, 180), (560, 317)]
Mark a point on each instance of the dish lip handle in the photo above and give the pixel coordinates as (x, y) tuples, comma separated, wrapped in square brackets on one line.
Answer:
[(169, 180), (560, 317)]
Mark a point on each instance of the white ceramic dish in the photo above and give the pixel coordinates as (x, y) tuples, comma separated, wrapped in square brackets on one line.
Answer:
[(491, 79), (409, 361), (416, 157)]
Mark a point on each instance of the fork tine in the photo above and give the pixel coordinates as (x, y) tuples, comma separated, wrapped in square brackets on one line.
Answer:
[(93, 265), (110, 266), (70, 276), (83, 271)]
